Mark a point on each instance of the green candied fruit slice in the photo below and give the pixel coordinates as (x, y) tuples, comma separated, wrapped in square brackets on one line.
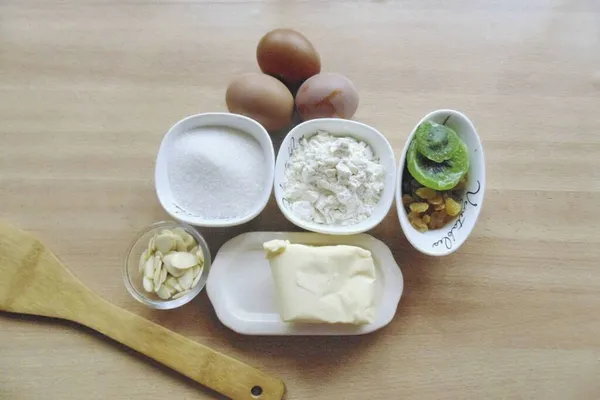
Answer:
[(438, 176), (436, 142)]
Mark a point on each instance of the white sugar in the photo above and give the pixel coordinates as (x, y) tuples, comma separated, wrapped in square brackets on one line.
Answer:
[(216, 172)]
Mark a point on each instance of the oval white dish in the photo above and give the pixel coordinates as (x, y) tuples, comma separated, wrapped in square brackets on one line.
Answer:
[(242, 292), (444, 241)]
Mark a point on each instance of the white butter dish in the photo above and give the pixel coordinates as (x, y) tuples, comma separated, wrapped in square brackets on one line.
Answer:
[(242, 292)]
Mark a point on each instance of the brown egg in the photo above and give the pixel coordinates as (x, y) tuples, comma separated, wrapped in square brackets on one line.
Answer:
[(327, 95), (261, 97), (288, 55)]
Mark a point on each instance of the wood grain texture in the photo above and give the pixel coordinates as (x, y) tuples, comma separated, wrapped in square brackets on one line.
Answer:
[(88, 88), (35, 282)]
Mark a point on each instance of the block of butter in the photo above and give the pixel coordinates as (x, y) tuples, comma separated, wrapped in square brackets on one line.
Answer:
[(331, 284)]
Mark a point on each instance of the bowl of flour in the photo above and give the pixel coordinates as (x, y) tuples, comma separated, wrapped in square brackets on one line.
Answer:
[(215, 170), (335, 176)]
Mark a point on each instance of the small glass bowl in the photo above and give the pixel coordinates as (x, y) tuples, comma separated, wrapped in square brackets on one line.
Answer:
[(133, 278)]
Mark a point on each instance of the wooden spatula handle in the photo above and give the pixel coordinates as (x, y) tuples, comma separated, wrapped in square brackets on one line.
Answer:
[(35, 282), (200, 363)]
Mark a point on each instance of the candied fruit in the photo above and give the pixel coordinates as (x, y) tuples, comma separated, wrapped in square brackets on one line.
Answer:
[(407, 199), (438, 199), (412, 215), (419, 224), (426, 193), (419, 207), (439, 207), (452, 207)]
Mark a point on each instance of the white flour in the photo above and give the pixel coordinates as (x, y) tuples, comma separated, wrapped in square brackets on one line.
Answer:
[(216, 172), (333, 180)]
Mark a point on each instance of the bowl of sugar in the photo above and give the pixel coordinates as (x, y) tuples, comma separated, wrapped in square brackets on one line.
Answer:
[(335, 176), (215, 170)]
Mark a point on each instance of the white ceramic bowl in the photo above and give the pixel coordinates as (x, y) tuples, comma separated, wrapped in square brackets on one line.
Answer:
[(245, 124), (441, 242), (380, 146)]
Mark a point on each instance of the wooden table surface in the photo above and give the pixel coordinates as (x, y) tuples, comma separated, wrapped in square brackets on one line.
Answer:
[(88, 88)]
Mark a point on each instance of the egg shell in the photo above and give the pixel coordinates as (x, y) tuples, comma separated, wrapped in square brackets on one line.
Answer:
[(262, 98), (289, 56), (327, 95)]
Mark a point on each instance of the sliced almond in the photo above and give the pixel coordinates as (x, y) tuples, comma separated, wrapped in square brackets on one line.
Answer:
[(147, 283), (163, 292), (196, 270), (178, 295), (172, 263), (176, 272), (187, 238), (172, 284), (180, 244), (181, 259), (151, 245), (169, 281), (179, 232), (157, 261), (145, 255), (200, 256), (163, 275), (156, 277), (170, 290), (186, 279), (197, 277), (178, 287), (149, 268), (165, 242)]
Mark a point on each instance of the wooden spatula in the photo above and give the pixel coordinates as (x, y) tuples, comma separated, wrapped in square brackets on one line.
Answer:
[(34, 281)]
